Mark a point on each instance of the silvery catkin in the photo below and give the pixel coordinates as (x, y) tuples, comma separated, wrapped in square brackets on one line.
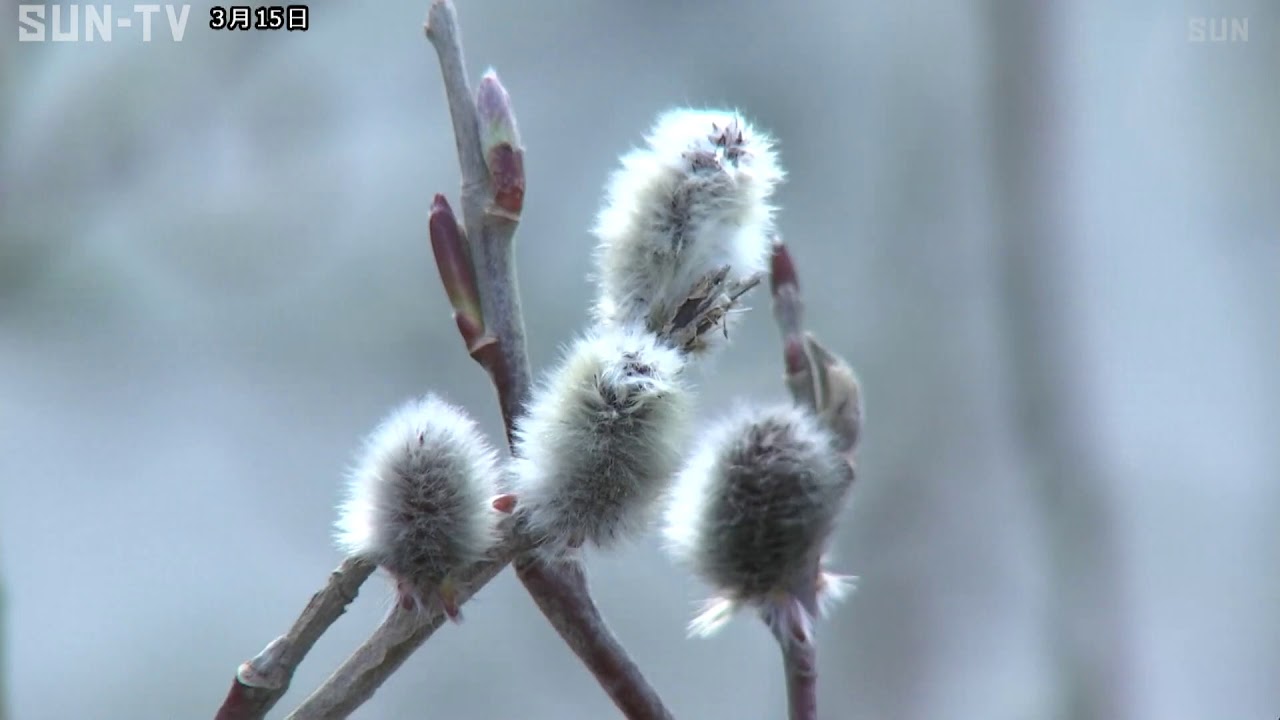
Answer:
[(752, 510), (419, 500), (693, 200), (601, 440)]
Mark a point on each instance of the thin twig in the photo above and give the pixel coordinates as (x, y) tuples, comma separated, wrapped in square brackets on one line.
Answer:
[(561, 592), (788, 311), (272, 670), (800, 664), (260, 682), (494, 337), (823, 382), (492, 198), (489, 226), (400, 634), (477, 266)]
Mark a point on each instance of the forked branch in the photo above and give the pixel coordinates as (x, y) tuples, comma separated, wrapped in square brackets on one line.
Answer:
[(262, 681), (476, 263)]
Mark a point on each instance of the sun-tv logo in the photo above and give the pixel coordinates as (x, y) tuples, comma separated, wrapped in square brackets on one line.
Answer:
[(1218, 30), (100, 23)]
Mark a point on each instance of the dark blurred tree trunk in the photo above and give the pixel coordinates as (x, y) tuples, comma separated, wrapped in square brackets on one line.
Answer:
[(1089, 636)]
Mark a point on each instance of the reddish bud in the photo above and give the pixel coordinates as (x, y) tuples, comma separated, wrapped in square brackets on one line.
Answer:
[(505, 503), (782, 269), (500, 143), (453, 260)]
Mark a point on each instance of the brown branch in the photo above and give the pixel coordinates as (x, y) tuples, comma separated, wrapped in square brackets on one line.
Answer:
[(561, 593), (492, 165), (822, 381), (477, 269), (490, 210), (799, 657), (800, 664), (400, 634), (260, 682)]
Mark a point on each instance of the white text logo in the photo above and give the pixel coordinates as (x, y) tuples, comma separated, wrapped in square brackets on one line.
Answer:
[(98, 23)]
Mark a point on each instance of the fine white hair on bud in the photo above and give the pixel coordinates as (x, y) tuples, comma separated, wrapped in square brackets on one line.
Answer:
[(601, 440), (752, 512), (693, 201), (421, 500)]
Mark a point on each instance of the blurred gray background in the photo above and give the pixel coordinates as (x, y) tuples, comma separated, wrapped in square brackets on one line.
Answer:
[(1049, 241)]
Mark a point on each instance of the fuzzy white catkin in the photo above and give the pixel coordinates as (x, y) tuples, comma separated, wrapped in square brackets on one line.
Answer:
[(695, 198), (752, 510), (419, 498), (601, 440)]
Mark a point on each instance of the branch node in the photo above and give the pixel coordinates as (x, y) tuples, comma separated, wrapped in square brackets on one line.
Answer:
[(263, 670)]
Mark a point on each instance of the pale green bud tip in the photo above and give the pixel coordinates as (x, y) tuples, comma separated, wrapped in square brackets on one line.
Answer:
[(497, 120)]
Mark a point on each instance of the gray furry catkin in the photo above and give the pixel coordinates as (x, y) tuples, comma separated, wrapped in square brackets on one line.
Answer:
[(601, 440), (419, 500), (693, 200), (752, 511)]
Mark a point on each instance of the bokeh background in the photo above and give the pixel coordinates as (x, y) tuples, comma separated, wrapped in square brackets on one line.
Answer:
[(1048, 239)]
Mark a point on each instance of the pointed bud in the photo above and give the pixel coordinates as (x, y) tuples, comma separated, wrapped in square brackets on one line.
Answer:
[(782, 269), (419, 499), (838, 395), (695, 199), (457, 274), (601, 440), (752, 512), (788, 311), (500, 142)]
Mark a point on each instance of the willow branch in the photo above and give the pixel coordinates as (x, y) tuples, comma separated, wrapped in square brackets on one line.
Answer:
[(799, 654), (492, 201), (476, 262), (400, 634), (561, 593), (822, 381), (492, 165), (261, 682), (800, 665)]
